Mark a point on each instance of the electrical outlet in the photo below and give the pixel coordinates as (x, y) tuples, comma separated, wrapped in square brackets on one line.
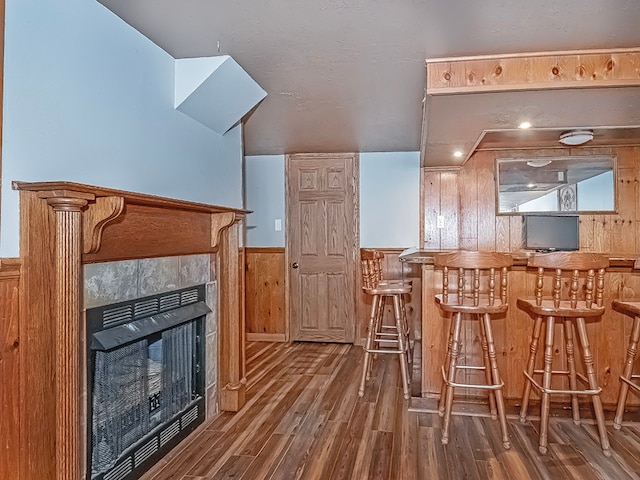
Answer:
[(278, 224), (440, 221)]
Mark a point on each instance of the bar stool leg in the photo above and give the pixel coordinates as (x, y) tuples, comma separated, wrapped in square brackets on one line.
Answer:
[(402, 346), (495, 374), (632, 353), (487, 368), (593, 385), (533, 350), (373, 319), (546, 385), (447, 363), (571, 364), (455, 352), (407, 331)]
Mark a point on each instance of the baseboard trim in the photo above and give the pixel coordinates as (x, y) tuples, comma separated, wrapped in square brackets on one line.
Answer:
[(266, 337)]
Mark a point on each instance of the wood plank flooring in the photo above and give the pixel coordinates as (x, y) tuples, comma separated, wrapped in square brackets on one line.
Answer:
[(304, 420)]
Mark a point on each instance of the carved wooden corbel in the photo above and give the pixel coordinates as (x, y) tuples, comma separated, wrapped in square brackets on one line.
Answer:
[(96, 217), (220, 221)]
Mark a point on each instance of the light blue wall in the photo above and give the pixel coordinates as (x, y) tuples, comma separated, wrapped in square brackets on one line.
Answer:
[(89, 99), (264, 194), (389, 199)]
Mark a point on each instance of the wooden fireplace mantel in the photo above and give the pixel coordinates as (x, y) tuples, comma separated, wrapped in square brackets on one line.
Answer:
[(64, 225)]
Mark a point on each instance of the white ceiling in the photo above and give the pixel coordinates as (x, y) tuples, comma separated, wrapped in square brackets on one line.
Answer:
[(349, 75)]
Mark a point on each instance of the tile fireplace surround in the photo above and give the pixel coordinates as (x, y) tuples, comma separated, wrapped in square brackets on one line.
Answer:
[(83, 246), (113, 282)]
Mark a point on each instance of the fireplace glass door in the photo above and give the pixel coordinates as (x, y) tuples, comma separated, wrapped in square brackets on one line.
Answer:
[(147, 392)]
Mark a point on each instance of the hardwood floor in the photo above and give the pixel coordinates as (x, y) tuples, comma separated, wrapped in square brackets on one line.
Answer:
[(304, 419)]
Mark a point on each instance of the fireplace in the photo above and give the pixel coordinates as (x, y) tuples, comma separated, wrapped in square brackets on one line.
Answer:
[(145, 380), (65, 229)]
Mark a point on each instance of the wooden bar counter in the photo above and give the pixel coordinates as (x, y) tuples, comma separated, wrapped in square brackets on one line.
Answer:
[(608, 336)]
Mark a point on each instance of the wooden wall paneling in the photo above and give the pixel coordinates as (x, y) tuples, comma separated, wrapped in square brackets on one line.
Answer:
[(431, 209), (435, 332), (623, 235), (628, 289), (609, 336), (635, 154), (450, 210), (469, 215), (9, 368), (265, 294), (37, 339), (486, 203), (519, 326), (534, 70), (610, 345)]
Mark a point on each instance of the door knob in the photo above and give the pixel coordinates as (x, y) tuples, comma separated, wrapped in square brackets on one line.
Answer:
[(294, 265)]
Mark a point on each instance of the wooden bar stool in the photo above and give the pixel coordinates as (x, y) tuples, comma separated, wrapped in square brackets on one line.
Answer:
[(575, 295), (385, 339), (480, 291), (628, 378)]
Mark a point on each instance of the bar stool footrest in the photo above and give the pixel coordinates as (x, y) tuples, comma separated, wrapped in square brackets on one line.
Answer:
[(553, 391), (630, 382), (482, 386)]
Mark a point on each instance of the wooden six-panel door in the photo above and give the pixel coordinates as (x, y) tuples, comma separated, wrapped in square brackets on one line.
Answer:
[(322, 246)]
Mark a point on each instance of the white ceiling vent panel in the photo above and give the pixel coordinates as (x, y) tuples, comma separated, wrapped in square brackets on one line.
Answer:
[(215, 91)]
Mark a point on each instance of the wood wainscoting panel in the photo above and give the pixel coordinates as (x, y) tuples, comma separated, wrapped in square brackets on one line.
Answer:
[(9, 367), (265, 294), (616, 235), (470, 197), (440, 212)]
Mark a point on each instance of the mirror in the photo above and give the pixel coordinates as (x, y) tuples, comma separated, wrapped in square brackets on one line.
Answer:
[(570, 184)]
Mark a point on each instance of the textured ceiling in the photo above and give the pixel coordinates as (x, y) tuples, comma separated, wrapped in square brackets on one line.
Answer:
[(349, 75)]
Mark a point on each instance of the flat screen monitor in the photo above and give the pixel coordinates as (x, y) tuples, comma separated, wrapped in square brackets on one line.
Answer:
[(548, 233)]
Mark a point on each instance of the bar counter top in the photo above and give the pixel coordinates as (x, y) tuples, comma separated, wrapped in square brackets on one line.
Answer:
[(426, 257)]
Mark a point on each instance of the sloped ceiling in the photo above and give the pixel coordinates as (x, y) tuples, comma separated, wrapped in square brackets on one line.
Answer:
[(349, 75)]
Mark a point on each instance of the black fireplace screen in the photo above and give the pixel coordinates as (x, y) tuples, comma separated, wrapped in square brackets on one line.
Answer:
[(143, 391)]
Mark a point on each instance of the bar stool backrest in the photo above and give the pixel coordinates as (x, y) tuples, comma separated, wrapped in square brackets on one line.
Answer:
[(479, 276), (584, 271), (371, 263)]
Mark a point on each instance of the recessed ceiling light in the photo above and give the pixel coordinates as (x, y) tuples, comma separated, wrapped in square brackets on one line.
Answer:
[(457, 154), (531, 185), (524, 125), (576, 137)]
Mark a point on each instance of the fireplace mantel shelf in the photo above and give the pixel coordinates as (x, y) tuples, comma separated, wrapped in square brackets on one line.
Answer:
[(133, 198)]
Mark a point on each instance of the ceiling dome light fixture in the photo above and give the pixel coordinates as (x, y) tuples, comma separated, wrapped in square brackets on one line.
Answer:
[(538, 163), (576, 137)]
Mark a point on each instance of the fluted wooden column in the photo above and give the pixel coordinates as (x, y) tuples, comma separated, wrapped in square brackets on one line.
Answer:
[(231, 358), (67, 253)]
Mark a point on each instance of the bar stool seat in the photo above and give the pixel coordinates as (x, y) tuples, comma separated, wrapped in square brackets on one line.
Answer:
[(628, 379), (383, 338), (480, 291), (583, 274)]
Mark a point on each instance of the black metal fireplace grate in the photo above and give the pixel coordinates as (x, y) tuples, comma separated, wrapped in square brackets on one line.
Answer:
[(146, 380)]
